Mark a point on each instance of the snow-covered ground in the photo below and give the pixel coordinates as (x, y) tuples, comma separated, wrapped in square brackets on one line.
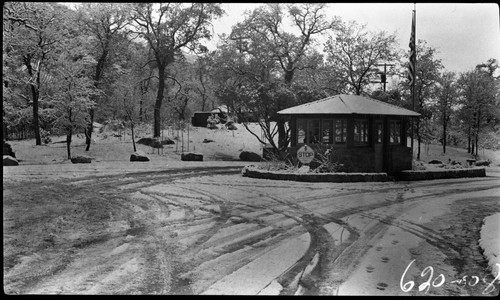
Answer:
[(490, 242)]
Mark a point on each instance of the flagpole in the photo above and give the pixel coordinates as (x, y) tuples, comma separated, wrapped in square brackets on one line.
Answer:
[(414, 33)]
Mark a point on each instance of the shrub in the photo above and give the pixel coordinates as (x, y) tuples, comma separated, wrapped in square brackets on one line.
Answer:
[(327, 163), (485, 163), (45, 135), (417, 165), (212, 121)]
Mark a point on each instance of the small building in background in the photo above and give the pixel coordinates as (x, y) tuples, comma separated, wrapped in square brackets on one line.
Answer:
[(364, 134), (199, 118)]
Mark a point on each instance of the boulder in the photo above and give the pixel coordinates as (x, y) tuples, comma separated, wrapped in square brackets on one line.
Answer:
[(230, 125), (7, 150), (208, 141), (485, 163), (167, 141), (81, 160), (436, 162), (191, 157), (156, 144), (146, 141), (250, 156), (138, 156), (10, 161), (152, 142)]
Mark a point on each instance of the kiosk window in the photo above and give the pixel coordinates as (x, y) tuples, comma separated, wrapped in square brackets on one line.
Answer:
[(340, 131), (327, 132), (308, 131), (361, 131), (378, 132), (395, 132)]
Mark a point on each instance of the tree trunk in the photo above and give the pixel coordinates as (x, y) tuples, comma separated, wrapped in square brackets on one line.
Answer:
[(159, 100), (418, 139), (469, 140), (140, 110), (68, 142), (89, 129), (133, 136), (444, 132), (282, 134), (477, 131), (35, 93), (36, 119)]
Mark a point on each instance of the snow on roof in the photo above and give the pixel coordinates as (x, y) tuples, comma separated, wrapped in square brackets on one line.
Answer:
[(348, 104), (222, 108)]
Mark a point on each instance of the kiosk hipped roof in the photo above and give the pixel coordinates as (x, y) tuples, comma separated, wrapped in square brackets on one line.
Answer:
[(348, 104)]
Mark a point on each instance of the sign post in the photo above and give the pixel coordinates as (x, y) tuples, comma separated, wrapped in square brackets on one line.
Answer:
[(305, 154)]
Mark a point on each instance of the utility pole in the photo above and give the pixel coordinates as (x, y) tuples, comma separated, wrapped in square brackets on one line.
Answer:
[(383, 76)]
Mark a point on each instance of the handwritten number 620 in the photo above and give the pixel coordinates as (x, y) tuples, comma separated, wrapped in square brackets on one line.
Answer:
[(437, 282)]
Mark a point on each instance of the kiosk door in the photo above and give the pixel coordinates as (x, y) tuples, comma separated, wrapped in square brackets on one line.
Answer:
[(379, 146)]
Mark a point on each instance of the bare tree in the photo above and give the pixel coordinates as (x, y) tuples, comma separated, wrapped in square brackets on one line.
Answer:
[(168, 28), (262, 35), (103, 22), (354, 53)]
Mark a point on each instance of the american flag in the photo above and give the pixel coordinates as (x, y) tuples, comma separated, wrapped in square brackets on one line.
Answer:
[(413, 52)]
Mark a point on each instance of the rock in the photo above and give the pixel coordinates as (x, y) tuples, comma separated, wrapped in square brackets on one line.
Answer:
[(167, 142), (7, 150), (485, 163), (436, 162), (208, 141), (250, 156), (151, 142), (191, 157), (10, 161), (145, 141), (304, 169), (138, 156), (81, 160), (237, 219), (156, 144), (230, 125)]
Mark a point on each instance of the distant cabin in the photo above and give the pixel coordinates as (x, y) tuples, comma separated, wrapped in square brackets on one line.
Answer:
[(364, 134), (199, 118)]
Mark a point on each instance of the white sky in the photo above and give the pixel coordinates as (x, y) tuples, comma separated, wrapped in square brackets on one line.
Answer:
[(464, 34)]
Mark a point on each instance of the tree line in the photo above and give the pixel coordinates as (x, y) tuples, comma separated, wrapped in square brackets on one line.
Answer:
[(65, 68)]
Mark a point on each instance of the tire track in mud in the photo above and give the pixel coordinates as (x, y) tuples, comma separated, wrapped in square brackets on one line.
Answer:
[(321, 241), (318, 233), (103, 189), (307, 217), (232, 243), (357, 249)]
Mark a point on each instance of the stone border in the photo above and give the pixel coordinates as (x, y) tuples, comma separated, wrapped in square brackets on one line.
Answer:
[(440, 174), (315, 177), (252, 172)]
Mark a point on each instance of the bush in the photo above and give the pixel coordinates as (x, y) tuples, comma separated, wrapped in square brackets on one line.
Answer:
[(212, 121), (276, 163), (45, 135), (417, 165), (230, 125), (327, 163), (485, 163)]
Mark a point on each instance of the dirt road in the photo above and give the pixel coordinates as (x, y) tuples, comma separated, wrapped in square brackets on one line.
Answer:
[(207, 230)]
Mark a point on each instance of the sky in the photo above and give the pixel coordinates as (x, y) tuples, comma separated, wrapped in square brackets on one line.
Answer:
[(464, 34)]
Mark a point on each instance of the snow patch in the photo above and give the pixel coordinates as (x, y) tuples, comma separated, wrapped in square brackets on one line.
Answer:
[(490, 241)]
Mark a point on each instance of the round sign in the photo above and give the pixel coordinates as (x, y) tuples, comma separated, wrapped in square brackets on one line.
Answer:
[(305, 154)]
